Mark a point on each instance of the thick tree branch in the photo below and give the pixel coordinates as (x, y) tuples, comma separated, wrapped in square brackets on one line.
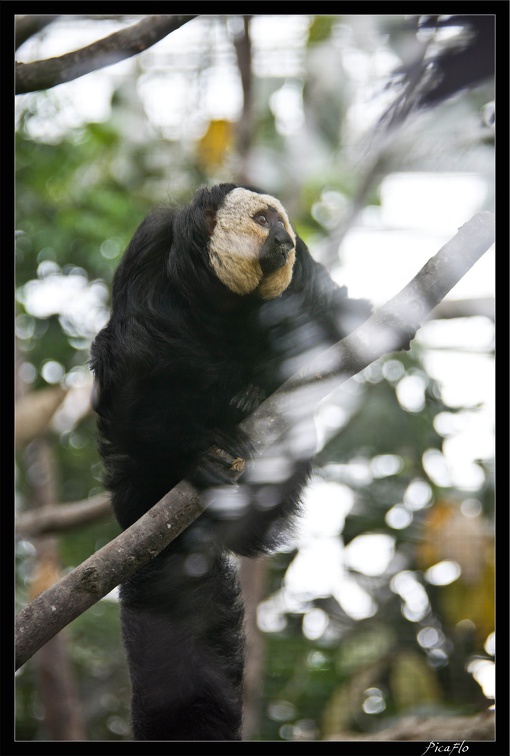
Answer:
[(44, 74), (53, 609), (390, 328)]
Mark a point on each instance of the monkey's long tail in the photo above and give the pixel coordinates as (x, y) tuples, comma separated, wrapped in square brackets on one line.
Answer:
[(182, 625)]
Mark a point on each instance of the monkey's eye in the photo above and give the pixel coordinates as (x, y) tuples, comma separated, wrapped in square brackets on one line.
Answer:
[(261, 219)]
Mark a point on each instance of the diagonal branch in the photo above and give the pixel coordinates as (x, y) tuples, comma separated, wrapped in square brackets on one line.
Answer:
[(389, 329), (44, 74)]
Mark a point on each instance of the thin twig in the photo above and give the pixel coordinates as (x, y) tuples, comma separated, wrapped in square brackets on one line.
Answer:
[(58, 518)]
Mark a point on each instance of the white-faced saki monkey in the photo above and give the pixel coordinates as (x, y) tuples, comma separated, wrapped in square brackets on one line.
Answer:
[(213, 305)]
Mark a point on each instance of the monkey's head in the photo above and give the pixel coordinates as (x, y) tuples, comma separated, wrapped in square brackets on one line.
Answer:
[(252, 247), (237, 236)]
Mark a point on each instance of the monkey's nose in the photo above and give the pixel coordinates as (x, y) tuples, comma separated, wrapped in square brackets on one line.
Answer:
[(275, 250), (282, 239)]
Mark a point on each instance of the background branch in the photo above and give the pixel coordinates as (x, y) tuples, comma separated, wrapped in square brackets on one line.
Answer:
[(242, 44), (390, 328), (34, 412), (27, 26), (44, 74), (465, 308), (58, 518)]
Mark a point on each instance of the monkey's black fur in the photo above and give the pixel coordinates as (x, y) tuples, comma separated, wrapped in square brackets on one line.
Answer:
[(181, 361)]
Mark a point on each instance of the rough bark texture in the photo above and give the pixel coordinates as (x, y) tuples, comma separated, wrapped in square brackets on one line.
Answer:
[(111, 565)]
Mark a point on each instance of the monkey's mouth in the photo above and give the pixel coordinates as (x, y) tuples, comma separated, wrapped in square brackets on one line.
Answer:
[(275, 251)]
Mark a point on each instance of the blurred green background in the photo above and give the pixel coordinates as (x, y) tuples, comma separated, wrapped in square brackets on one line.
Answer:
[(382, 605)]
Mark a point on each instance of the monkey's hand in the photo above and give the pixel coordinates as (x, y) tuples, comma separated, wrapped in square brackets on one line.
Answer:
[(248, 399), (223, 462)]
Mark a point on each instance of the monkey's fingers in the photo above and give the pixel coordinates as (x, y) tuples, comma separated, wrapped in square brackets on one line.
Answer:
[(217, 467)]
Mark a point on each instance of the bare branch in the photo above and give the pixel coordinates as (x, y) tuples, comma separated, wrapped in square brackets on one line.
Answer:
[(27, 26), (244, 129), (44, 74), (77, 591), (60, 517), (389, 329)]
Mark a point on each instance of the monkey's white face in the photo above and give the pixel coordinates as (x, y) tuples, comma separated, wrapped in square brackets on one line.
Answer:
[(238, 236)]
